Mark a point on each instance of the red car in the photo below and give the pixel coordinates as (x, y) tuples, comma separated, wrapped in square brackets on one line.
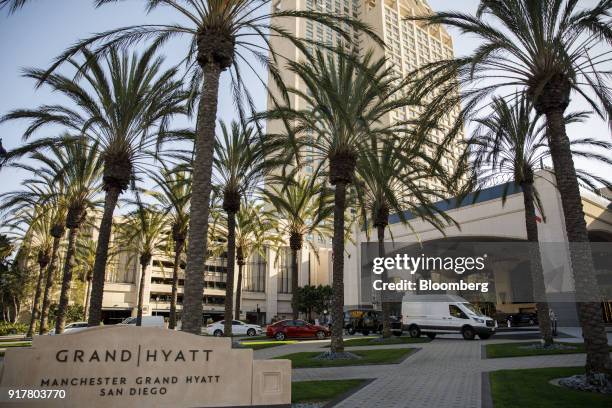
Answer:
[(296, 329)]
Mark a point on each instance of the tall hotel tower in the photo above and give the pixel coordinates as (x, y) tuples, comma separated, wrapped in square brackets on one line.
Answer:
[(409, 45)]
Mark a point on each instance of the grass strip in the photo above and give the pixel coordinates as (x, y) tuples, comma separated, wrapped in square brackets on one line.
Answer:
[(531, 388)]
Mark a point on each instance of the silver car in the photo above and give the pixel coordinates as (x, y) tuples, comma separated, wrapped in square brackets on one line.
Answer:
[(72, 327)]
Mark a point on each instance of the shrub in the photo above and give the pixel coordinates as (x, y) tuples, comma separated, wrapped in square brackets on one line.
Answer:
[(7, 328)]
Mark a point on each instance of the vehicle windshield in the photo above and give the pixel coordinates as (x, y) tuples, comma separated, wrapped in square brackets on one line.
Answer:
[(472, 309)]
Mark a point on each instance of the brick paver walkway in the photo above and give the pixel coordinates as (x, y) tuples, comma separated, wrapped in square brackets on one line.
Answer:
[(444, 373)]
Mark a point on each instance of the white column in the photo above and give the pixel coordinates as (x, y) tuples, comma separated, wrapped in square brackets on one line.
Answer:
[(271, 285)]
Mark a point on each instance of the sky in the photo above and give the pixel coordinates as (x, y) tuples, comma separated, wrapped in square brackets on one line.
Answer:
[(42, 30)]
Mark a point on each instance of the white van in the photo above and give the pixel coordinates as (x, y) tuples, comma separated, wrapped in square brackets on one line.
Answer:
[(433, 314), (147, 321)]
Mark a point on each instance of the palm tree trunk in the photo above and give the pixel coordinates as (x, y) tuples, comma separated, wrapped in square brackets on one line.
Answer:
[(177, 260), (44, 314), (537, 274), (294, 282), (99, 270), (229, 280), (589, 313), (87, 295), (66, 281), (35, 311), (239, 289), (337, 312), (15, 309), (386, 307), (17, 306), (200, 200), (141, 285)]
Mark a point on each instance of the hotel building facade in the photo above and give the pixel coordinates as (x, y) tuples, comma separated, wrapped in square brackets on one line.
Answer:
[(266, 287)]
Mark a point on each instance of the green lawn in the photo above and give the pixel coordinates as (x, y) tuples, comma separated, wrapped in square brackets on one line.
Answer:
[(368, 357), (516, 350), (15, 344), (373, 341), (15, 340), (531, 388), (319, 391), (258, 345)]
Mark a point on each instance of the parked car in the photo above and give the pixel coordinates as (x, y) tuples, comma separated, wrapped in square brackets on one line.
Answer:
[(366, 321), (72, 327), (522, 319), (147, 321), (238, 328), (296, 329), (433, 314)]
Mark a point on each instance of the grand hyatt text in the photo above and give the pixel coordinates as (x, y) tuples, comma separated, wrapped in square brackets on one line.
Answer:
[(125, 355)]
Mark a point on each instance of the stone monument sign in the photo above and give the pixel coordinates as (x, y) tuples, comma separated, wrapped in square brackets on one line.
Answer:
[(127, 366)]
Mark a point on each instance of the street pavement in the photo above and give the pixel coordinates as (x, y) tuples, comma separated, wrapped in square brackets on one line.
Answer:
[(444, 373)]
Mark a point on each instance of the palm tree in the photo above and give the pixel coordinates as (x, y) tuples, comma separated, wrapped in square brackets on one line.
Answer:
[(254, 234), (143, 232), (512, 142), (68, 180), (125, 104), (174, 196), (305, 207), (12, 5), (398, 178), (79, 166), (85, 257), (13, 277), (549, 49), (223, 35), (57, 232), (35, 224), (239, 166), (43, 189), (75, 168), (346, 100), (6, 247)]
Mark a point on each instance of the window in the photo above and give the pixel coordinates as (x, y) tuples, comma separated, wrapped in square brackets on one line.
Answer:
[(123, 269), (255, 274), (456, 312), (236, 323), (284, 270)]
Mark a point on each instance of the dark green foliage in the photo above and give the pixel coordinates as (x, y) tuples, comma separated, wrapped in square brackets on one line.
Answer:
[(312, 298)]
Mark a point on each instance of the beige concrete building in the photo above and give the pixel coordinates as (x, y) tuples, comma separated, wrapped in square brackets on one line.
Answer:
[(266, 285)]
